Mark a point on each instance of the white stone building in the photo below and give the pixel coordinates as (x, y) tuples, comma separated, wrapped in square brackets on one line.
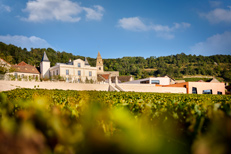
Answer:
[(76, 71)]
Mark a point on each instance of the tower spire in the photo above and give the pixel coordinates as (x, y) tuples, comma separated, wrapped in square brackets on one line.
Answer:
[(45, 58), (86, 62), (99, 56), (99, 63)]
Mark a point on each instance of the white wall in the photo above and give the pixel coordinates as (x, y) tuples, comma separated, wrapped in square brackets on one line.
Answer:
[(151, 88), (9, 85), (162, 80), (26, 75), (45, 69), (73, 71)]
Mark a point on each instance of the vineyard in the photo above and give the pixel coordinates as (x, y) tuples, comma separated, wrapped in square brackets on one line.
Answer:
[(34, 121)]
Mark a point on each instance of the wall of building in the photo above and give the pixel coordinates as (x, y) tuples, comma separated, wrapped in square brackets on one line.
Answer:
[(44, 69), (162, 81), (82, 63), (73, 72), (151, 88), (23, 76), (215, 87), (55, 70)]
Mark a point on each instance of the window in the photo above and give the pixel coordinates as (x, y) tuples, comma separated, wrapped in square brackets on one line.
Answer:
[(99, 68), (22, 75), (79, 80), (79, 65), (219, 93), (194, 90), (79, 73), (67, 72), (16, 75), (57, 73), (90, 73), (144, 82), (155, 82), (209, 91), (53, 72)]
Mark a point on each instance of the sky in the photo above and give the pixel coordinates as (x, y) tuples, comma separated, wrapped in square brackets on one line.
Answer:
[(119, 28)]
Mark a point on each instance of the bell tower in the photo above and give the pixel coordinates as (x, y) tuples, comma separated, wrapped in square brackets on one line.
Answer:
[(45, 67), (99, 64)]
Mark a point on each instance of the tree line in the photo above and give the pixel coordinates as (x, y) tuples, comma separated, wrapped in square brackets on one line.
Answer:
[(176, 66)]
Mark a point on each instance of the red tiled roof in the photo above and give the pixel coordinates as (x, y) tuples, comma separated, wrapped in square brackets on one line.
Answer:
[(105, 76), (23, 64), (25, 68), (5, 61)]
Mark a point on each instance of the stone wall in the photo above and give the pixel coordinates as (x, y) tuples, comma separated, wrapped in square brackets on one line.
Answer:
[(9, 85)]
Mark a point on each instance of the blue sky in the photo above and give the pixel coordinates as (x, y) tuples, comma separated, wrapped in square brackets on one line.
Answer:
[(118, 28)]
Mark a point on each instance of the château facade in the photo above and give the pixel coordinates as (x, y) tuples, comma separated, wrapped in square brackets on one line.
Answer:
[(74, 71)]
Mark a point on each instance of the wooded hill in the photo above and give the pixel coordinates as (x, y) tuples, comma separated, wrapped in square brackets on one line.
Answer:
[(176, 66)]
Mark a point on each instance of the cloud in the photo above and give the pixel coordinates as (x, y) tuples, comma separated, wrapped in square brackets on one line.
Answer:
[(214, 3), (218, 15), (94, 14), (5, 8), (159, 28), (216, 44), (25, 42), (163, 31), (133, 24), (60, 10)]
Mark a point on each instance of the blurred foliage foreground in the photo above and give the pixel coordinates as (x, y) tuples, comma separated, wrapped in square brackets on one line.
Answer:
[(56, 121)]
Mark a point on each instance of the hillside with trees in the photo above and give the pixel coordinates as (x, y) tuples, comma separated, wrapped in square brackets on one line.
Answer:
[(176, 66)]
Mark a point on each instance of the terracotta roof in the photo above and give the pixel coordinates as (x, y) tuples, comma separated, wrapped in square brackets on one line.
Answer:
[(100, 78), (25, 68), (105, 76), (5, 61), (22, 64)]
